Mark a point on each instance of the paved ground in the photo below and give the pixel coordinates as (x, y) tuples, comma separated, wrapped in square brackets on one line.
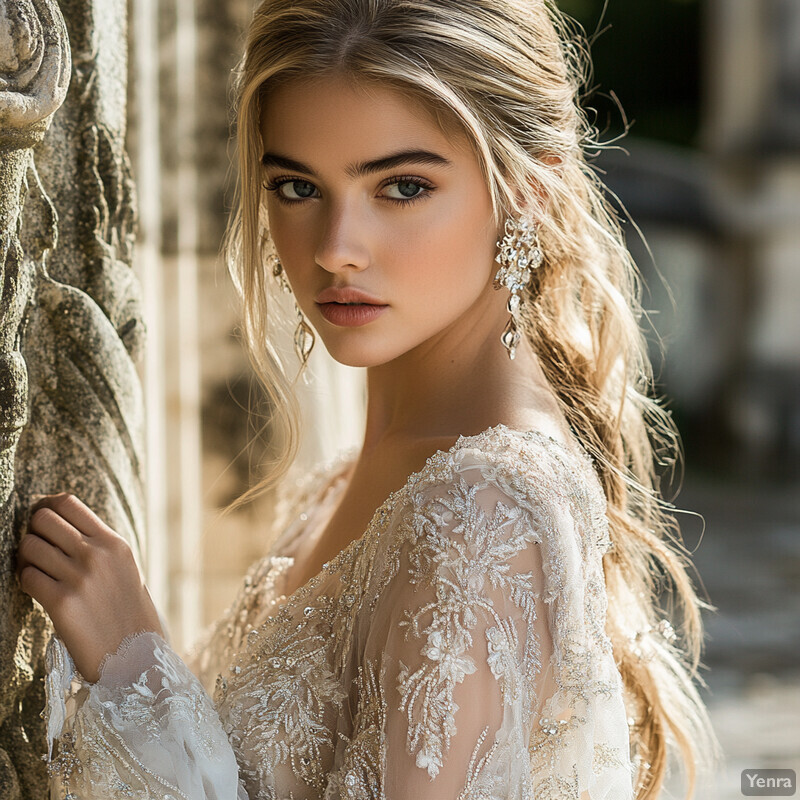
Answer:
[(749, 562)]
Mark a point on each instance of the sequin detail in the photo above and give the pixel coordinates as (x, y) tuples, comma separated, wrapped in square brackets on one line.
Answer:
[(456, 648)]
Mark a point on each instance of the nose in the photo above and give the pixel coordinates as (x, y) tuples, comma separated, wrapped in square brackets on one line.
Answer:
[(343, 244)]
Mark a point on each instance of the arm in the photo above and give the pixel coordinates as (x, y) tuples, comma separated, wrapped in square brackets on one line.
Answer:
[(483, 672), (450, 670), (131, 719), (145, 729)]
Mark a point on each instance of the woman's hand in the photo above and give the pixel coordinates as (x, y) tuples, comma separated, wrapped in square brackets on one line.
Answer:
[(85, 576)]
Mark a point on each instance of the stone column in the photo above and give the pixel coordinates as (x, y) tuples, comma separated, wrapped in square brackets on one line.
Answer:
[(70, 318), (752, 132)]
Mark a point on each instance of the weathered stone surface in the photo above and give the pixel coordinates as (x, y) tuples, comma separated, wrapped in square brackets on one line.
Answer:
[(34, 74), (70, 320)]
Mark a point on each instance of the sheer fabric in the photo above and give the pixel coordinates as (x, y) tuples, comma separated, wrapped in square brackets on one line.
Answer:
[(455, 651)]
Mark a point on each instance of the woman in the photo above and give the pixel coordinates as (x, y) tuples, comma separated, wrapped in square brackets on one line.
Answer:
[(464, 608)]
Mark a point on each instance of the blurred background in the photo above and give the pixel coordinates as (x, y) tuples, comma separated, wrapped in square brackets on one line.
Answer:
[(707, 95)]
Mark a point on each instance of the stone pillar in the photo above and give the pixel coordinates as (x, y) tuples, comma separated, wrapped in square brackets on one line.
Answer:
[(144, 146), (752, 132), (70, 320)]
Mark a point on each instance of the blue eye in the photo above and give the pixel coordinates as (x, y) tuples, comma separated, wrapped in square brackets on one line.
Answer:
[(407, 189), (295, 190), (410, 189)]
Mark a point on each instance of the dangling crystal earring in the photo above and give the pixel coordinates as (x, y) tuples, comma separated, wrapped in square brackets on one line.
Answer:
[(277, 271), (519, 254), (304, 336)]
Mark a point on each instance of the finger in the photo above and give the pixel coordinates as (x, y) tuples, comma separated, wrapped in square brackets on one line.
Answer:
[(55, 529), (38, 552), (39, 501), (77, 513), (38, 584)]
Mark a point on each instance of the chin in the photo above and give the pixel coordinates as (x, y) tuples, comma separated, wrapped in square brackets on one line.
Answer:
[(360, 356)]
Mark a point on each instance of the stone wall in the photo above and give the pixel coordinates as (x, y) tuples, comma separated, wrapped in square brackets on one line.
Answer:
[(71, 327)]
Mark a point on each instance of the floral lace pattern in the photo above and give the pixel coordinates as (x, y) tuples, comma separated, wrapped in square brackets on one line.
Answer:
[(455, 649)]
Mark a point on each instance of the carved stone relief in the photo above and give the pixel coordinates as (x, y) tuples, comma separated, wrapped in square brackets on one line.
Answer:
[(70, 319)]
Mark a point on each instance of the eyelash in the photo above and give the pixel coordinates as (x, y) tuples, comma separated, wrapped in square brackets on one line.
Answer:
[(275, 184)]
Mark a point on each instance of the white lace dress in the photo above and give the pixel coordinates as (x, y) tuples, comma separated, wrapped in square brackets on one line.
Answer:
[(455, 651)]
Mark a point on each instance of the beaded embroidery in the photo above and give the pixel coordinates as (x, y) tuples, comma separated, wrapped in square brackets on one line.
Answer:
[(305, 687)]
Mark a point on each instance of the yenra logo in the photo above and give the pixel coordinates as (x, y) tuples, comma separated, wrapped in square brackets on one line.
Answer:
[(769, 782)]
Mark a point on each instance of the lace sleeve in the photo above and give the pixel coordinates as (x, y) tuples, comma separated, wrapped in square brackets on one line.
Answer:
[(145, 729), (148, 728), (469, 679)]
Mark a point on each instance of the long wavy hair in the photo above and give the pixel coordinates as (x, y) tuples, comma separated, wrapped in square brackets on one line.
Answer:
[(509, 74)]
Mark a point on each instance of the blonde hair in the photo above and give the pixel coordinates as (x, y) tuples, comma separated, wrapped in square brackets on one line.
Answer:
[(509, 73)]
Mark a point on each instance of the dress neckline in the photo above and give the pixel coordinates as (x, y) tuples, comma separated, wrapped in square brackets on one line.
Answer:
[(349, 457)]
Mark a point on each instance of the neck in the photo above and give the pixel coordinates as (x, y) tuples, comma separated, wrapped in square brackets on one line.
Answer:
[(461, 383)]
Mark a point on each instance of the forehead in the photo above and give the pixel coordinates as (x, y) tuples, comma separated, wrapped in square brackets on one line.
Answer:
[(331, 116)]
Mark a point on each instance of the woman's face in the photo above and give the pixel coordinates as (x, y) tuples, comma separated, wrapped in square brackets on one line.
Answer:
[(366, 191)]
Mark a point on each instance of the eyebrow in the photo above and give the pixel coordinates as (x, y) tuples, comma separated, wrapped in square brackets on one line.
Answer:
[(363, 167)]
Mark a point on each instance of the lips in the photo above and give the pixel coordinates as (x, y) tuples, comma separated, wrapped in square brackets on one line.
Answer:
[(345, 295), (349, 316)]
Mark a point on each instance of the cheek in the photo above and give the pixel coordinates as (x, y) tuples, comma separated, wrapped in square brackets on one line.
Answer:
[(290, 238), (445, 259)]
